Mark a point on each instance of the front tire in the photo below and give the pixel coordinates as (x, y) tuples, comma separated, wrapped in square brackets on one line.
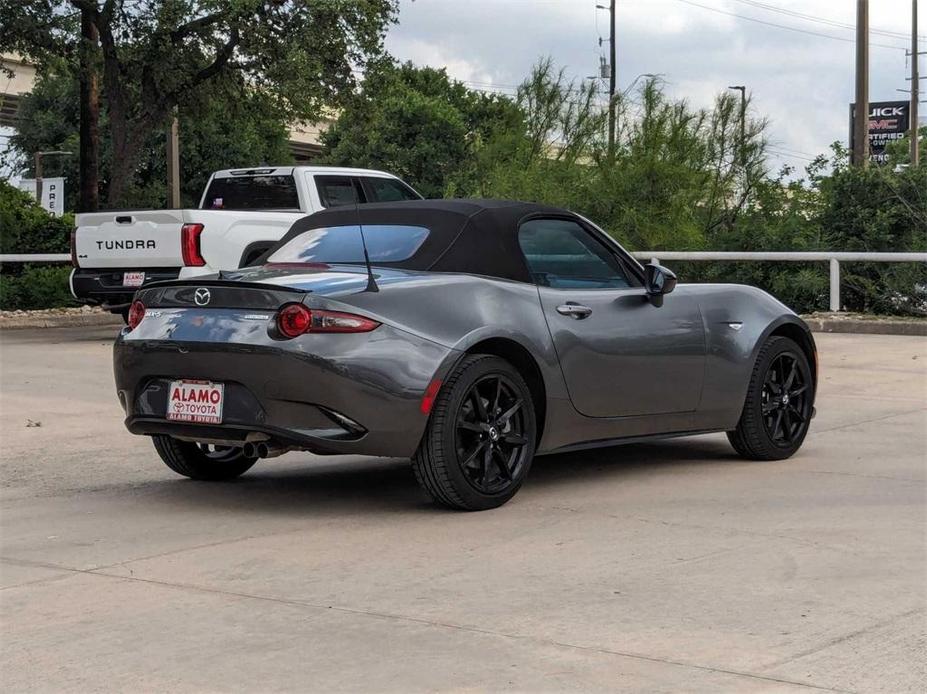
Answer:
[(480, 439), (200, 461), (779, 403)]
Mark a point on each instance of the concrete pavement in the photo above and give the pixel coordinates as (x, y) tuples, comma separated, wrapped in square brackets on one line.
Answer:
[(660, 567)]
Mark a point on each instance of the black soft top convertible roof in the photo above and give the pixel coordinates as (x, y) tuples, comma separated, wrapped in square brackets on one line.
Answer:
[(476, 237)]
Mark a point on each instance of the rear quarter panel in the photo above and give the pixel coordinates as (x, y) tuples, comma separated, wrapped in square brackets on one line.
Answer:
[(459, 311)]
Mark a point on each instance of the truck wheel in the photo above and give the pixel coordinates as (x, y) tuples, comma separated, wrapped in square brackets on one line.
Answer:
[(479, 444), (201, 461)]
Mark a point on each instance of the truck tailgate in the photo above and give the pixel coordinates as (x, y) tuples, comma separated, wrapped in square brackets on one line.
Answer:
[(149, 238)]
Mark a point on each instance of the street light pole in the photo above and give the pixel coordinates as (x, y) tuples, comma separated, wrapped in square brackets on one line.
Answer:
[(743, 122)]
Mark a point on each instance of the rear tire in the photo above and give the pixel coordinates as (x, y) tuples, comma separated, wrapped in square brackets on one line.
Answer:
[(480, 439), (779, 403), (199, 462)]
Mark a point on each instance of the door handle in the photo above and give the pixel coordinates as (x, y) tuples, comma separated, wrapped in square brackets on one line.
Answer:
[(576, 311)]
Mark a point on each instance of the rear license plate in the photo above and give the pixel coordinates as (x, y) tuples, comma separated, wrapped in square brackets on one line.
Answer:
[(133, 279), (195, 401)]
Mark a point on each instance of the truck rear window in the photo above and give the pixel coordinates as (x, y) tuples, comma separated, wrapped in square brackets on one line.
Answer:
[(252, 193)]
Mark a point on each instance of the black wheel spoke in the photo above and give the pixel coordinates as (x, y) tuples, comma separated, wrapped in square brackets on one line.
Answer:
[(487, 464), (792, 373), (777, 424), (498, 400), (507, 415), (502, 463), (476, 451), (787, 422), (478, 404), (769, 406), (798, 391), (470, 426), (797, 413), (515, 440)]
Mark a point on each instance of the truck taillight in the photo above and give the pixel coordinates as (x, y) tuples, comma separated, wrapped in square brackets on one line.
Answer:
[(295, 319), (74, 248), (190, 245)]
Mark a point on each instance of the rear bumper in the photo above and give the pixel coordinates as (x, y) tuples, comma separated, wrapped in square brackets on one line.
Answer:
[(341, 394), (104, 285)]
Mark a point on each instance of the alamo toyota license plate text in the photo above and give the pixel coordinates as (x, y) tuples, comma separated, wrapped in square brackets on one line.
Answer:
[(195, 401)]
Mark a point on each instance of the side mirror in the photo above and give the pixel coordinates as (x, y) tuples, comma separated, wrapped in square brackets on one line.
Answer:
[(659, 280)]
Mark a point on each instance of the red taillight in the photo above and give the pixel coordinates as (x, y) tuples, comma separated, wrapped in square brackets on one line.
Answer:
[(190, 245), (296, 319), (136, 313), (74, 248)]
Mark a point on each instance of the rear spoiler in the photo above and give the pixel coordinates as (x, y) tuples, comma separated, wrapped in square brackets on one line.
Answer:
[(217, 293)]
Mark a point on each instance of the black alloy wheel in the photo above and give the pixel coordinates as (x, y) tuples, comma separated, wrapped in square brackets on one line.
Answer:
[(479, 442), (779, 403), (785, 400), (491, 443)]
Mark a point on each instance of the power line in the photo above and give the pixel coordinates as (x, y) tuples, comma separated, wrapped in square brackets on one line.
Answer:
[(783, 26), (819, 20)]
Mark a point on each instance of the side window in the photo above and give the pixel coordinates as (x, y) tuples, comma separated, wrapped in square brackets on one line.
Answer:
[(388, 190), (563, 255), (335, 191)]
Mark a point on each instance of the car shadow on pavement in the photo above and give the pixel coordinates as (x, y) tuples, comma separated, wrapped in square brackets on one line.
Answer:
[(354, 485)]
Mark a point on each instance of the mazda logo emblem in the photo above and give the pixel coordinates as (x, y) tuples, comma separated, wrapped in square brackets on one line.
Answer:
[(201, 296)]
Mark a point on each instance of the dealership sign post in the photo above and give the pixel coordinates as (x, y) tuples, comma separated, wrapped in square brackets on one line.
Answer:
[(888, 121)]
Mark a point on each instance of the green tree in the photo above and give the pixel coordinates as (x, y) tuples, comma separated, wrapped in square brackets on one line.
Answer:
[(878, 209), (155, 55), (418, 124), (228, 125)]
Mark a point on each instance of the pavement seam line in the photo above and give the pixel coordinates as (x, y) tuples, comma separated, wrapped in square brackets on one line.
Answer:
[(425, 622), (869, 421), (845, 637)]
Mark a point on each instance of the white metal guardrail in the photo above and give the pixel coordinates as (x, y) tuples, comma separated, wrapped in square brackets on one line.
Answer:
[(35, 258), (833, 258)]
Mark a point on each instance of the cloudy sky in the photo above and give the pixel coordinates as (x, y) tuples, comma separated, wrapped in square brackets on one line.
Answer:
[(803, 82)]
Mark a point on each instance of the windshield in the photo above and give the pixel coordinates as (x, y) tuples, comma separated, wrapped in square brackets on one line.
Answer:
[(386, 243), (252, 193)]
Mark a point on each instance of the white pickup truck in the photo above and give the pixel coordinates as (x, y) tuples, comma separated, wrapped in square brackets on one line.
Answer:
[(243, 212)]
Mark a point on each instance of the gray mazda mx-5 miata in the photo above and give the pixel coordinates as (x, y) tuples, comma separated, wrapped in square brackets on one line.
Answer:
[(467, 335)]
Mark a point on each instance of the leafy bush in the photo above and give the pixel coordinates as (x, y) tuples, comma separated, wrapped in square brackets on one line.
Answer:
[(27, 228), (35, 286)]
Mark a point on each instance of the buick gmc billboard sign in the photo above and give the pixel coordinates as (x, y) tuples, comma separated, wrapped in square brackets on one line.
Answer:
[(888, 121)]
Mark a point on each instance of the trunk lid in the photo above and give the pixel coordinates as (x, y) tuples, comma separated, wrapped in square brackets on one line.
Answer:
[(149, 238)]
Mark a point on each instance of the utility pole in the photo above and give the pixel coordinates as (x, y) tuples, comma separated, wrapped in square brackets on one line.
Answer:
[(743, 123), (861, 119), (89, 171), (173, 164), (915, 88), (612, 118)]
